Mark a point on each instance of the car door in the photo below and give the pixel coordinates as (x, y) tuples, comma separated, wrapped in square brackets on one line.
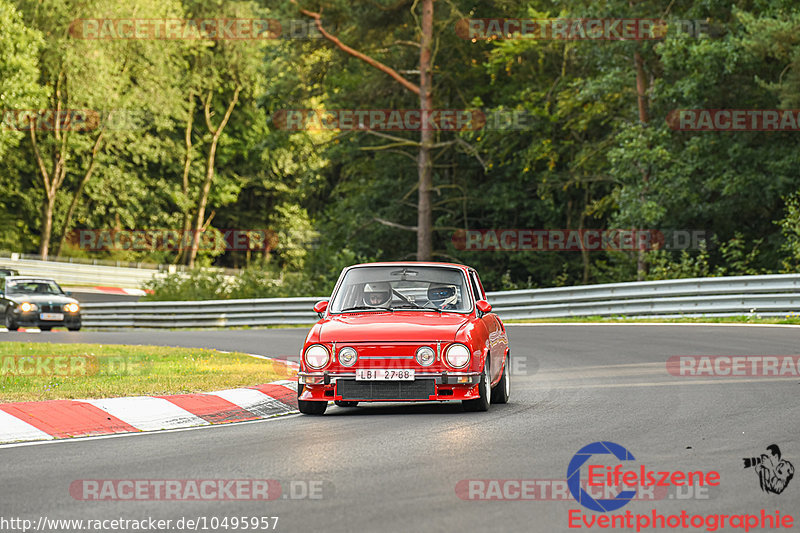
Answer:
[(3, 300), (492, 324), (502, 339)]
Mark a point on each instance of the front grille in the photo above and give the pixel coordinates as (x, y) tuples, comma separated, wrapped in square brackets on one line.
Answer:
[(350, 389), (50, 308)]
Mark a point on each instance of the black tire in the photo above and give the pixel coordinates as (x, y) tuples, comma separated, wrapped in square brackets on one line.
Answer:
[(45, 328), (9, 322), (342, 403), (502, 390), (310, 407), (75, 328), (484, 389)]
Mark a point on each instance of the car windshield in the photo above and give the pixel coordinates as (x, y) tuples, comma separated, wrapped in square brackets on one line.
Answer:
[(402, 287), (32, 286)]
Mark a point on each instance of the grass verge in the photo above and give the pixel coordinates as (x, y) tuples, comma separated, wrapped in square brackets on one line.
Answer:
[(38, 371)]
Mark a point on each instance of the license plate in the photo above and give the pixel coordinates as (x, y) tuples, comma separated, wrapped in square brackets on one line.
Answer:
[(52, 316), (372, 374)]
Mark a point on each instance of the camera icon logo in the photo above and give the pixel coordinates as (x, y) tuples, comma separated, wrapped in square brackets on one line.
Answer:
[(774, 473), (574, 477)]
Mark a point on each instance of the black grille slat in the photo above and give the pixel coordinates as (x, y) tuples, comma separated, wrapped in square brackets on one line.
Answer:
[(50, 308), (350, 389)]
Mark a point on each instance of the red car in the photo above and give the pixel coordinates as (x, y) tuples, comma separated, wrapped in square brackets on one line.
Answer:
[(397, 332)]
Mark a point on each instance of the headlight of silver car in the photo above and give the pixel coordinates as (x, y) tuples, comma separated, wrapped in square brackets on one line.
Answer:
[(425, 355), (457, 355), (348, 356), (317, 356), (27, 307), (71, 308)]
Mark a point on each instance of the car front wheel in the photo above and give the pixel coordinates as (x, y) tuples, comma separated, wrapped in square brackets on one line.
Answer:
[(484, 390), (502, 391), (310, 407), (10, 324)]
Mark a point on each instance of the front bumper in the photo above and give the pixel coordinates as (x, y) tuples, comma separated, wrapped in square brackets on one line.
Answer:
[(34, 320), (446, 386)]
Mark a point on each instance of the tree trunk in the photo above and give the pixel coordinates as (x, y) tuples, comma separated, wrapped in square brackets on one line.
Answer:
[(212, 152), (584, 251), (187, 165), (51, 183), (48, 206), (51, 180), (424, 226), (74, 204), (424, 170), (641, 97)]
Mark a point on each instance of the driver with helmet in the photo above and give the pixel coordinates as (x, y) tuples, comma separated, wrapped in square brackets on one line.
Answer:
[(443, 296), (377, 294)]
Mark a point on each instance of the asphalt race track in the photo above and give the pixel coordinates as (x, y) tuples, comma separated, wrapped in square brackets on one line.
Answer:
[(396, 467)]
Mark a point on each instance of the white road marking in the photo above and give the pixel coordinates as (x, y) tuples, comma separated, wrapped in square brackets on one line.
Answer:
[(688, 381), (142, 434), (252, 400), (13, 429), (148, 414)]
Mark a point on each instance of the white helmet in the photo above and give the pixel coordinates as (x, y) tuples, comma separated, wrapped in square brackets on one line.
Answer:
[(377, 294), (442, 295)]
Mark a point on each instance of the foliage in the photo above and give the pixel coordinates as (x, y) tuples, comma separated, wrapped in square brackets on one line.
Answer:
[(584, 158)]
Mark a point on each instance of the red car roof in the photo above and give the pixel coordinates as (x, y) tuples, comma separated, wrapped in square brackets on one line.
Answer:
[(415, 263)]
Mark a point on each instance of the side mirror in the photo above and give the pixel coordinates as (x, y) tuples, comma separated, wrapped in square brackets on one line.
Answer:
[(320, 307), (68, 293), (483, 307)]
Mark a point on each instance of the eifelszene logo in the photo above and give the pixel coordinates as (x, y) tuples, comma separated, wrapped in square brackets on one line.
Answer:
[(574, 476), (774, 473), (627, 476)]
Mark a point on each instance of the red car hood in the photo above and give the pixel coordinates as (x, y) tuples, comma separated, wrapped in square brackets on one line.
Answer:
[(388, 327)]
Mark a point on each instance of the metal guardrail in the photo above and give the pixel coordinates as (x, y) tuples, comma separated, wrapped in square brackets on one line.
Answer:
[(772, 295), (79, 271), (66, 273), (5, 254), (211, 313)]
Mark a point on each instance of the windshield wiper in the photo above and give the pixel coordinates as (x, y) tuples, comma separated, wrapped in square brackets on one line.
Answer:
[(415, 306), (366, 308)]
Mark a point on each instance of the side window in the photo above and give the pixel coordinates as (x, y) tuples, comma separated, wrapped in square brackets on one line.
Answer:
[(476, 288)]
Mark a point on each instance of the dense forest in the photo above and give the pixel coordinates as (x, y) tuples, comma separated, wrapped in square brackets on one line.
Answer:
[(112, 122)]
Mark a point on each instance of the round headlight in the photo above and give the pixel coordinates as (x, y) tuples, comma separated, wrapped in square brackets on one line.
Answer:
[(425, 355), (26, 307), (71, 308), (317, 356), (348, 356), (457, 355)]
